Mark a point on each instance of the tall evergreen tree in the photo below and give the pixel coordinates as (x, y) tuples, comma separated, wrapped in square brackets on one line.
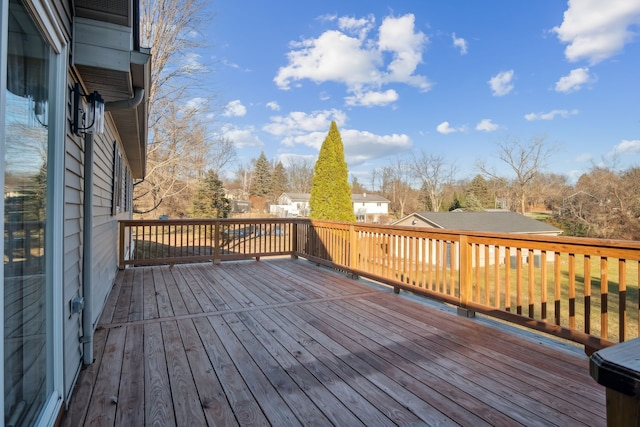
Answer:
[(330, 191), (278, 181), (210, 200), (479, 188), (261, 181)]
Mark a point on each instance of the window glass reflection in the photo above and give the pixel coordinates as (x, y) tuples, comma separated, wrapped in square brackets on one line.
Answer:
[(25, 218)]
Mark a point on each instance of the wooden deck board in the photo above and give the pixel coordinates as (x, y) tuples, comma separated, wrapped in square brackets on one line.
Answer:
[(284, 342)]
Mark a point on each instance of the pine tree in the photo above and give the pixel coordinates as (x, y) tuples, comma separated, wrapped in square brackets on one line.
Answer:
[(330, 191), (210, 200), (278, 181), (261, 181), (479, 188)]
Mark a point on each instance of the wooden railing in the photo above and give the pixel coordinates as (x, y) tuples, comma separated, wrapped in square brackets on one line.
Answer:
[(584, 290)]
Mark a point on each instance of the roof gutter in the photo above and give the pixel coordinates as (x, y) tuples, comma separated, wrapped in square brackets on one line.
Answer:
[(138, 96)]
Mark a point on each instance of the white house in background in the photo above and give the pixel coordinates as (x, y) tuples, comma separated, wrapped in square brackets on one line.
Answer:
[(366, 207), (369, 207), (67, 172)]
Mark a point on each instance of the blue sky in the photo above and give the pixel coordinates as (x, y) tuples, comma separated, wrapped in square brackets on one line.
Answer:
[(451, 78)]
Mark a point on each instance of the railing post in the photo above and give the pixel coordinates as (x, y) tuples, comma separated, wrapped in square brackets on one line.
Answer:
[(294, 240), (353, 250), (466, 272), (216, 242)]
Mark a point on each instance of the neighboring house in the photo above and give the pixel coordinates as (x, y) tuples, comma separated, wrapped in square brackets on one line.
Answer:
[(292, 204), (70, 160), (490, 221), (367, 207)]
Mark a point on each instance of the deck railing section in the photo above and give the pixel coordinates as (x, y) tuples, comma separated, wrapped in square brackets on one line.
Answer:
[(585, 290), (154, 242)]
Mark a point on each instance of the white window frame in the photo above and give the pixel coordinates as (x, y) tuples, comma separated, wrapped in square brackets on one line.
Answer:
[(45, 18)]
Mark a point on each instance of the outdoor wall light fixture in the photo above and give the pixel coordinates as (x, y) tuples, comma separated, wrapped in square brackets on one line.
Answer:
[(88, 117)]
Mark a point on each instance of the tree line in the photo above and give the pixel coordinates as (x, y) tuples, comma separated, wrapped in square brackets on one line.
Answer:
[(603, 202)]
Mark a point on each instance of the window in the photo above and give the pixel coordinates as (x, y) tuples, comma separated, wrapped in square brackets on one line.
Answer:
[(31, 143)]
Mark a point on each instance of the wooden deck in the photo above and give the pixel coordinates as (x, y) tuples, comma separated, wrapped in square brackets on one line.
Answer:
[(283, 342)]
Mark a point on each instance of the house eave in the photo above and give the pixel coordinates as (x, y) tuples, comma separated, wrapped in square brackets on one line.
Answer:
[(106, 56)]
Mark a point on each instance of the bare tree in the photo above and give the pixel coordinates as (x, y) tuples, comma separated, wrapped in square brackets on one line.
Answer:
[(181, 145), (299, 174), (396, 185), (525, 160), (435, 176)]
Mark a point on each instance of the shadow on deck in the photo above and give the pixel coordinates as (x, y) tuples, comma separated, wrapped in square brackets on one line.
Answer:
[(283, 342)]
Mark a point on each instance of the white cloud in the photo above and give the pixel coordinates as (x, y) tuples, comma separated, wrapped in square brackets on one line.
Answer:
[(626, 147), (242, 138), (398, 36), (574, 80), (596, 30), (460, 43), (362, 146), (502, 83), (273, 105), (298, 123), (234, 109), (370, 99), (361, 26), (192, 64), (195, 104), (487, 125), (550, 115), (445, 128), (360, 63), (310, 130), (584, 158)]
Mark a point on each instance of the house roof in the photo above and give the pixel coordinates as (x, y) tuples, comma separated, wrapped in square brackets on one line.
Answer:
[(297, 197), (498, 222), (366, 197)]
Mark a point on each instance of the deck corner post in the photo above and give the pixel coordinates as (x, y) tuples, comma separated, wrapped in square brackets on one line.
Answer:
[(396, 290)]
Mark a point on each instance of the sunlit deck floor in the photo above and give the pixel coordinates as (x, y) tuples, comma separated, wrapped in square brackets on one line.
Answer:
[(284, 342)]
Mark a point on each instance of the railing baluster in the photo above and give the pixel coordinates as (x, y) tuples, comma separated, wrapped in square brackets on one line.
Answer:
[(531, 282), (604, 297), (556, 288), (519, 280), (587, 294), (507, 279), (486, 275), (544, 284), (622, 299), (572, 291)]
